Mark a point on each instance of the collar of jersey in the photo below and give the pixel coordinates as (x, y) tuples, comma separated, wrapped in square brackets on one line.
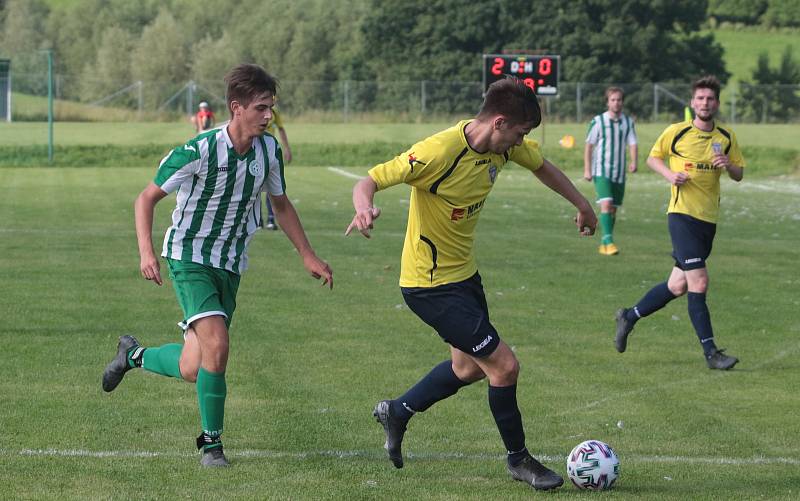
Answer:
[(462, 126), (229, 143)]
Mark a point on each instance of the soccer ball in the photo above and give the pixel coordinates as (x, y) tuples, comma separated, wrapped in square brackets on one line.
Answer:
[(593, 465)]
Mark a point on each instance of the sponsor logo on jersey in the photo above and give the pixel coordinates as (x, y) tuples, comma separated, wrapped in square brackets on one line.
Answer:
[(482, 344), (413, 160), (457, 214), (482, 161), (492, 173), (255, 168)]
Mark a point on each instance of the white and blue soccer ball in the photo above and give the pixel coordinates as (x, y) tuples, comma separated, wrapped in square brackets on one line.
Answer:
[(593, 465)]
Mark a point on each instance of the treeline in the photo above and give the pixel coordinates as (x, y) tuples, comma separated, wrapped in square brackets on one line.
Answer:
[(768, 13), (102, 46)]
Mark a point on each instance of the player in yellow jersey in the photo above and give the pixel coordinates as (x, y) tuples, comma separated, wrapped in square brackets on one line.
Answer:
[(451, 174), (276, 128), (698, 151)]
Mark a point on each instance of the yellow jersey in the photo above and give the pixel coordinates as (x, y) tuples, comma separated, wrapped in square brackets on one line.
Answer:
[(691, 150), (275, 123), (449, 185)]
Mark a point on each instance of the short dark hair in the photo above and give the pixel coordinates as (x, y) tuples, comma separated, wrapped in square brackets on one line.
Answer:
[(707, 82), (513, 99), (615, 90), (247, 82)]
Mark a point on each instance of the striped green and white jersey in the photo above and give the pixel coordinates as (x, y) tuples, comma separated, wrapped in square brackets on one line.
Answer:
[(218, 206), (611, 139)]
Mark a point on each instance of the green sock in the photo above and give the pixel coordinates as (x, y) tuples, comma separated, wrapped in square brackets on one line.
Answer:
[(164, 360), (211, 392), (607, 225)]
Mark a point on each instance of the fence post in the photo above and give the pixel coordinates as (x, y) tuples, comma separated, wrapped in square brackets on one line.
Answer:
[(346, 99), (423, 96), (655, 102), (140, 98), (733, 105), (578, 101)]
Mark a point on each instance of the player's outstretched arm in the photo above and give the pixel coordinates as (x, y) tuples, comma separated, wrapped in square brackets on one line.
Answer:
[(366, 214), (552, 177), (658, 165), (143, 209), (290, 223)]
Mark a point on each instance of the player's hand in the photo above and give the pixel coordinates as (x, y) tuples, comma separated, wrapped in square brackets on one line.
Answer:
[(633, 167), (587, 175), (363, 220), (721, 161), (586, 221), (150, 268), (318, 269), (678, 178)]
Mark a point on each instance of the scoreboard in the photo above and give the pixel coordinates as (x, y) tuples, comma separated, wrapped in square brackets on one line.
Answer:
[(540, 73)]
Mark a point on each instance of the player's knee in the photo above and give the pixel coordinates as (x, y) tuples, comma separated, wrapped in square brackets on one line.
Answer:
[(677, 285), (189, 372), (507, 372), (468, 373)]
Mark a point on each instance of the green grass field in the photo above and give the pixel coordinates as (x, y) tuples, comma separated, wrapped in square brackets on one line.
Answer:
[(307, 364)]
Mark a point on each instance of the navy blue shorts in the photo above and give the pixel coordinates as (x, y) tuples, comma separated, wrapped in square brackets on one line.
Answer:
[(691, 240), (458, 313)]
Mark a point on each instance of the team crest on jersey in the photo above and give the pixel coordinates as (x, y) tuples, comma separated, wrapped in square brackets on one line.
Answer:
[(255, 168), (492, 173)]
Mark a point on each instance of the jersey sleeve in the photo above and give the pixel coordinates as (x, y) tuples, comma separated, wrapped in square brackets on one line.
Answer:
[(632, 139), (735, 153), (276, 119), (527, 155), (593, 133), (416, 167), (661, 147), (275, 182), (180, 164)]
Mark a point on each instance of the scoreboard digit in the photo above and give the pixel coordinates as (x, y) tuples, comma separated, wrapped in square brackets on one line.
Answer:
[(540, 73)]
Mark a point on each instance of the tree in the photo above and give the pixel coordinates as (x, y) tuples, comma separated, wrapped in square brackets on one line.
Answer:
[(110, 71), (21, 40), (161, 59), (774, 95)]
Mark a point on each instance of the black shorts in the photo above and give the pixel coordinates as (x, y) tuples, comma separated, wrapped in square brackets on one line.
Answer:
[(691, 240), (458, 313)]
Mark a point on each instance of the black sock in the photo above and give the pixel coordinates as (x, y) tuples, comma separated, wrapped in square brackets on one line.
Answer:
[(503, 404), (441, 382), (701, 320), (655, 299)]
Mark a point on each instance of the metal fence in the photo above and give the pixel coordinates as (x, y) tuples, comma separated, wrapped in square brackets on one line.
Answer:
[(404, 100)]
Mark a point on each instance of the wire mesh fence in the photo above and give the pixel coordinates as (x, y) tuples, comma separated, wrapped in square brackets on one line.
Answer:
[(401, 100)]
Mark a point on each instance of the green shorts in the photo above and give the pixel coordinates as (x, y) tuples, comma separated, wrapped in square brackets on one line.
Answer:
[(203, 291), (609, 190)]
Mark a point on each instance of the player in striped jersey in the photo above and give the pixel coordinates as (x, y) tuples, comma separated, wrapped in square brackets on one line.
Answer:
[(451, 174), (604, 161), (219, 177), (692, 156)]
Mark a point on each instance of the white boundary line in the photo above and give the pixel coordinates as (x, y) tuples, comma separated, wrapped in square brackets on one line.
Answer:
[(344, 173), (341, 454)]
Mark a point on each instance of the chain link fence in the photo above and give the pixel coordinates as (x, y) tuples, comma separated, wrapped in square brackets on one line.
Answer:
[(108, 99)]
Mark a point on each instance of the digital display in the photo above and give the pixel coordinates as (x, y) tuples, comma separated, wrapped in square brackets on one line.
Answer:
[(540, 73)]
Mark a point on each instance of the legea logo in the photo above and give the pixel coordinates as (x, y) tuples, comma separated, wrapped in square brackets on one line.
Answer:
[(483, 344)]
